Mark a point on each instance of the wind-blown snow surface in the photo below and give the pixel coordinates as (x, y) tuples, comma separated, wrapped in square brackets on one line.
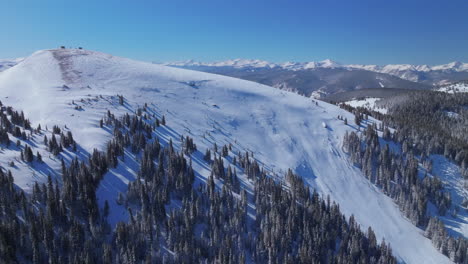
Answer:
[(284, 130)]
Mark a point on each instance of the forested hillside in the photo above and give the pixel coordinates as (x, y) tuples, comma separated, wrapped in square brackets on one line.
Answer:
[(422, 164), (174, 218)]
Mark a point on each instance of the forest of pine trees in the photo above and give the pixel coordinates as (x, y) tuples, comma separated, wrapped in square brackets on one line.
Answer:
[(217, 222), (396, 174), (433, 122)]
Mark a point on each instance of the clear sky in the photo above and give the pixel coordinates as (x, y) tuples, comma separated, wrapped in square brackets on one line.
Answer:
[(348, 31)]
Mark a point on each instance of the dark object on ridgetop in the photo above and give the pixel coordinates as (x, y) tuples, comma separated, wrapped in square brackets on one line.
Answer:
[(62, 47), (80, 48)]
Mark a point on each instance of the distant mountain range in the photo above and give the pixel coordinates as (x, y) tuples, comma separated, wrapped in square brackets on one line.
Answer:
[(327, 77), (455, 66)]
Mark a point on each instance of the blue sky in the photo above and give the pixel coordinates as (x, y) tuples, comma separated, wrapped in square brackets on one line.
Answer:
[(348, 31)]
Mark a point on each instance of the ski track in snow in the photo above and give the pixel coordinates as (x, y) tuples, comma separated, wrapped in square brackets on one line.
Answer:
[(282, 129)]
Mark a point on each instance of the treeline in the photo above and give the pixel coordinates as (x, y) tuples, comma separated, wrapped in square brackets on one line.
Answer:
[(172, 219), (396, 174)]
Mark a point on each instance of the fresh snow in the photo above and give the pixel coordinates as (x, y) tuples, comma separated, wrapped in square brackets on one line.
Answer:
[(282, 129)]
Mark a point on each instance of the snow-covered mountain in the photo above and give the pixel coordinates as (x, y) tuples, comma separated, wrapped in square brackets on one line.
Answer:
[(437, 74), (248, 63), (316, 79), (389, 68), (282, 129), (421, 73)]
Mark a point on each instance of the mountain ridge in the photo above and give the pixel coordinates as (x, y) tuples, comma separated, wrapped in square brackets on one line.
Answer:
[(430, 75), (327, 63)]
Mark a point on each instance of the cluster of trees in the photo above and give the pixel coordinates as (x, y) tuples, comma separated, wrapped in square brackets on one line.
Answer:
[(433, 122), (12, 122), (17, 118), (228, 177), (297, 226), (455, 248), (65, 141), (173, 220), (397, 175), (189, 146), (15, 123), (27, 155)]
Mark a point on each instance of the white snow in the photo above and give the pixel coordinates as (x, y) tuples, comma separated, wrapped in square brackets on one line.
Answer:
[(459, 87), (369, 103), (456, 65), (393, 69), (284, 130)]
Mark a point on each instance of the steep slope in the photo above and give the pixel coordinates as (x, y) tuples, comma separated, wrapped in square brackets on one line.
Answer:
[(282, 129)]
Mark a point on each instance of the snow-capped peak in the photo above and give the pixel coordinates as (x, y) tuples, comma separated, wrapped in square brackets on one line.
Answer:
[(456, 66), (236, 63), (255, 63), (327, 63)]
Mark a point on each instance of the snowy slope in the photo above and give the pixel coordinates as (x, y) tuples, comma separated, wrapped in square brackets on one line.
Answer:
[(458, 87), (369, 103), (282, 129)]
